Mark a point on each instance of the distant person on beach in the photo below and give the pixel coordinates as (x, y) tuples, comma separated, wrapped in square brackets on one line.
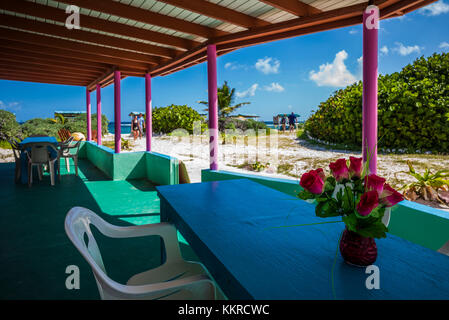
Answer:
[(292, 122), (284, 122), (135, 127), (276, 121), (141, 124)]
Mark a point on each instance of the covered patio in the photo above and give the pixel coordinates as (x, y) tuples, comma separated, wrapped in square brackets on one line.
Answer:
[(113, 40)]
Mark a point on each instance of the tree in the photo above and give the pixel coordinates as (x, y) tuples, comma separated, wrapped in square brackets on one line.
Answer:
[(226, 99)]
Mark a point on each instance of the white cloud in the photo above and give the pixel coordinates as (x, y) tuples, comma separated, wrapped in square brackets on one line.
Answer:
[(268, 65), (353, 31), (384, 50), (406, 50), (334, 74), (274, 87), (250, 92), (444, 45), (435, 9), (234, 66), (10, 106)]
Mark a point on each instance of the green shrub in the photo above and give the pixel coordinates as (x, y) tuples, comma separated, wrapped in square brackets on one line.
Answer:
[(167, 119), (41, 126), (9, 127), (51, 127), (79, 124), (413, 109), (232, 123)]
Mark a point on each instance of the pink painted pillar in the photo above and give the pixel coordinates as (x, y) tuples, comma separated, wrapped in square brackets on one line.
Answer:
[(370, 60), (98, 114), (148, 111), (117, 112), (88, 112), (213, 105)]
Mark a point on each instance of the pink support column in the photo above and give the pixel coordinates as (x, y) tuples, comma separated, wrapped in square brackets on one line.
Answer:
[(213, 105), (88, 112), (117, 112), (98, 114), (370, 60), (148, 111)]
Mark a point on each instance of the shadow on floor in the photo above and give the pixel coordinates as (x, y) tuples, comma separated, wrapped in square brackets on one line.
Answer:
[(35, 251)]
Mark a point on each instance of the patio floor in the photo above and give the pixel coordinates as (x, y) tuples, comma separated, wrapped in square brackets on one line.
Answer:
[(35, 250)]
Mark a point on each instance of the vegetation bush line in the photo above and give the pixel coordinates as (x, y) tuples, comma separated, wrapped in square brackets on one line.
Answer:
[(9, 127), (167, 119), (413, 110), (232, 123)]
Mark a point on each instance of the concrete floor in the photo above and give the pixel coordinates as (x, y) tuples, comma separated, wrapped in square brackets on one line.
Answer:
[(35, 250)]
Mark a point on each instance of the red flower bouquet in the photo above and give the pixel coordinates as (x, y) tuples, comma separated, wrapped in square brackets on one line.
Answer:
[(360, 198)]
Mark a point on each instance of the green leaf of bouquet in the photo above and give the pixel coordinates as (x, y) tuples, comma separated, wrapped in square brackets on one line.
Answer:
[(350, 222), (306, 195), (374, 230), (331, 180)]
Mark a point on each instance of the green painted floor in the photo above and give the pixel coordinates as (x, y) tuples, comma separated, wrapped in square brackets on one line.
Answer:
[(35, 251)]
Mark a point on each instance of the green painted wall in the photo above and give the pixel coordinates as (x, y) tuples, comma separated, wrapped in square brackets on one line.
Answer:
[(162, 169), (101, 157), (415, 222), (156, 167), (129, 165)]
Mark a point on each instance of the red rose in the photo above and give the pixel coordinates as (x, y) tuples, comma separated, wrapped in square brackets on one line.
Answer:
[(374, 182), (368, 202), (321, 174), (389, 196), (355, 166), (312, 181), (339, 169)]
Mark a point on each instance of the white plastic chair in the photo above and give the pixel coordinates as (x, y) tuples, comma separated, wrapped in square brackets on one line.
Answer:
[(175, 279), (38, 156), (65, 148)]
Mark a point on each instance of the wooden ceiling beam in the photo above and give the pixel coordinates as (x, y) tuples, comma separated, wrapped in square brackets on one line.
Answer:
[(43, 60), (294, 7), (94, 38), (289, 34), (5, 63), (55, 14), (146, 16), (106, 76), (36, 43), (400, 7), (216, 11), (44, 73), (12, 77), (316, 19)]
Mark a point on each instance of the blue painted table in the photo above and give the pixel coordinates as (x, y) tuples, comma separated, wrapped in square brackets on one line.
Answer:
[(229, 225), (23, 157)]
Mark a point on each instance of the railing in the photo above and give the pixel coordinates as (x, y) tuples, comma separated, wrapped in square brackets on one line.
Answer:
[(158, 168)]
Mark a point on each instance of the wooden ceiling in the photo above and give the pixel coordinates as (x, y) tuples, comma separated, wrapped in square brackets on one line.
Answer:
[(159, 37)]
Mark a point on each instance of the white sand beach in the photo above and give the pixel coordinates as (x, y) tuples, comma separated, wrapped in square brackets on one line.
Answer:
[(287, 156)]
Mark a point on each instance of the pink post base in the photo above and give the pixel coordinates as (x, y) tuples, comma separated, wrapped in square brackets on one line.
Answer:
[(148, 111), (213, 105), (370, 60), (99, 114), (117, 113)]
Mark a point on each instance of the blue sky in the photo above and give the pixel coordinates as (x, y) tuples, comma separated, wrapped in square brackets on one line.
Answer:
[(278, 77)]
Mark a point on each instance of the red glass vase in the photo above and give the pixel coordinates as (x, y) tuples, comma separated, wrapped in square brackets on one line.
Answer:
[(358, 250)]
